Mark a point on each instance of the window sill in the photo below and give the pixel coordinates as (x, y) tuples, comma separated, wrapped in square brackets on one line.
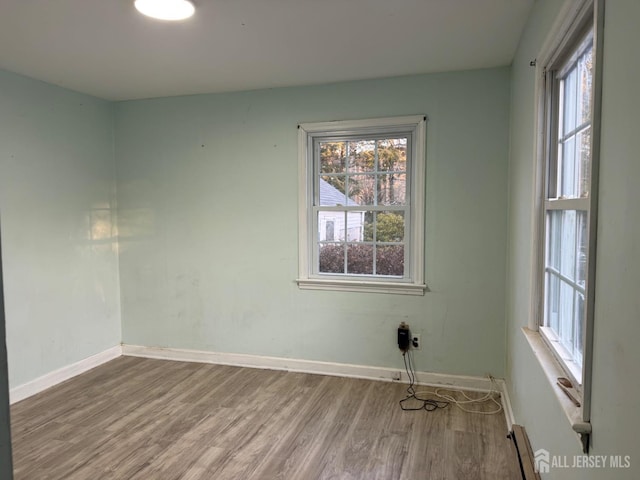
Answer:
[(553, 343), (361, 286), (552, 370)]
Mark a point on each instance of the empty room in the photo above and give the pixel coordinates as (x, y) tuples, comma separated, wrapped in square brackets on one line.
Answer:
[(298, 239)]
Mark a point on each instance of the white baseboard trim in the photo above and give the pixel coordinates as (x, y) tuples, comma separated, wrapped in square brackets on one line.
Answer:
[(506, 404), (65, 373), (457, 382)]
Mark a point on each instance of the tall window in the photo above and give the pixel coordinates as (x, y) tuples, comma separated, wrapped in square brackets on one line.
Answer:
[(568, 202), (362, 207)]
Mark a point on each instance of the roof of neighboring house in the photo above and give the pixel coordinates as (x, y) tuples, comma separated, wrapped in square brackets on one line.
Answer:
[(330, 195)]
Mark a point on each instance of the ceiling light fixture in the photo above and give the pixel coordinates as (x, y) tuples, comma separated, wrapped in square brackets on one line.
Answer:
[(166, 9)]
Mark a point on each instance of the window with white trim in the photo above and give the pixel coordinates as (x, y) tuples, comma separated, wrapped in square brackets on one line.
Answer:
[(362, 205), (569, 200)]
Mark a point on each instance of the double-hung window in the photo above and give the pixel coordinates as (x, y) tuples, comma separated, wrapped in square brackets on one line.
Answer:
[(362, 205), (569, 152), (567, 204)]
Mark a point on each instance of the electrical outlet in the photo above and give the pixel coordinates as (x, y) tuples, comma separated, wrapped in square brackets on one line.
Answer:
[(416, 341)]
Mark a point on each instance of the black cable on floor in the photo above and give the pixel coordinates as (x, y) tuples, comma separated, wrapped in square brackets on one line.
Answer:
[(428, 404)]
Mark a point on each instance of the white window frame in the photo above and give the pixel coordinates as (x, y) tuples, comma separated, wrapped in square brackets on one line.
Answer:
[(573, 22), (411, 284), (554, 75)]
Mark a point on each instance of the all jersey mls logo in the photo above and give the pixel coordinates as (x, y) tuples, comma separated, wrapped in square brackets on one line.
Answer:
[(544, 461), (541, 461)]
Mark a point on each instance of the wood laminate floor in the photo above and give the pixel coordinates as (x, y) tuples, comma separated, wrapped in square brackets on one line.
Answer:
[(135, 418)]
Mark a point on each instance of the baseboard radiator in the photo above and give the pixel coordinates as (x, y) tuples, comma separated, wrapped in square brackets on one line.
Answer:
[(525, 455)]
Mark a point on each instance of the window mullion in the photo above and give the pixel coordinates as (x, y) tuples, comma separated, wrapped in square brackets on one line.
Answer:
[(574, 132), (375, 238), (407, 241), (579, 204), (345, 242)]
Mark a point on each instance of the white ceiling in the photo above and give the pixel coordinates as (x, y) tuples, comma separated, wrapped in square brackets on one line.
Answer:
[(107, 49)]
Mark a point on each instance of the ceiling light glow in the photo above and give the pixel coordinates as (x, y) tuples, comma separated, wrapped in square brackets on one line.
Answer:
[(166, 9)]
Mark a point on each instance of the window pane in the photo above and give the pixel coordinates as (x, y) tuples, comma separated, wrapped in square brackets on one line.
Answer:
[(392, 155), (567, 169), (553, 239), (390, 260), (585, 65), (581, 255), (578, 323), (574, 159), (360, 259), (331, 223), (570, 83), (358, 223), (553, 302), (390, 227), (574, 130), (333, 157), (565, 331), (584, 162), (392, 189), (566, 253), (362, 156), (362, 189), (564, 292), (567, 243), (332, 191), (331, 257)]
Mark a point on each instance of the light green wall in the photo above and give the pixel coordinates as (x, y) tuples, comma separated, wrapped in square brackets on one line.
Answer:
[(616, 389), (207, 189), (6, 462), (56, 197)]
